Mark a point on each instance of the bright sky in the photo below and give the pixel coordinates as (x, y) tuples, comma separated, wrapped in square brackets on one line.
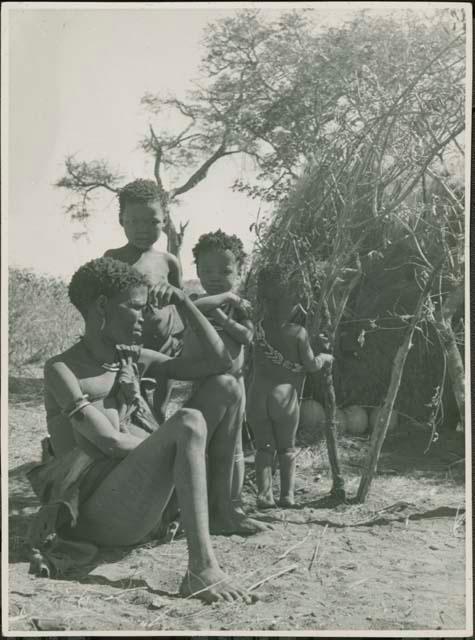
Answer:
[(76, 77)]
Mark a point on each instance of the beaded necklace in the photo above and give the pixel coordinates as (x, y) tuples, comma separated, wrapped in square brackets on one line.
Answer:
[(112, 366)]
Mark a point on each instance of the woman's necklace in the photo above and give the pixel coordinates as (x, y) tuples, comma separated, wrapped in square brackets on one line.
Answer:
[(108, 366)]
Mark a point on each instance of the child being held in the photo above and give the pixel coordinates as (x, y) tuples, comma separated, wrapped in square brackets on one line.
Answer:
[(219, 260), (282, 357)]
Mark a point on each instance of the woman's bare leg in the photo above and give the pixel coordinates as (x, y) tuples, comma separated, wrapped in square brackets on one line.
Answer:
[(129, 503), (219, 399)]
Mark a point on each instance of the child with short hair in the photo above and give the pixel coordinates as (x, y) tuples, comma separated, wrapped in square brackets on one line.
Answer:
[(282, 357), (219, 261), (142, 216)]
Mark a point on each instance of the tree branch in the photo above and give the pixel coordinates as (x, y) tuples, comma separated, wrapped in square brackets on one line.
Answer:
[(202, 171), (158, 151)]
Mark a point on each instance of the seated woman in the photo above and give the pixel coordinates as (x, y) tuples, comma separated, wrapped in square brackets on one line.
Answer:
[(113, 468)]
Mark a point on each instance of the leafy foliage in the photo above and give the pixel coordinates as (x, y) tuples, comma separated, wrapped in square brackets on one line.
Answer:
[(41, 319)]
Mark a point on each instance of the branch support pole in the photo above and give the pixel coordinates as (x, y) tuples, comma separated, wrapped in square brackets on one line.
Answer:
[(338, 486), (381, 427)]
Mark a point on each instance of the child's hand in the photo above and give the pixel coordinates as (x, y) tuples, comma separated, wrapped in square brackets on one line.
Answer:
[(298, 315), (324, 359), (165, 294), (243, 305)]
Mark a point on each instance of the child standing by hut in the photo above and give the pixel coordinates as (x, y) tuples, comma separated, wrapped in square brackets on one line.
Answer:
[(219, 261), (281, 359)]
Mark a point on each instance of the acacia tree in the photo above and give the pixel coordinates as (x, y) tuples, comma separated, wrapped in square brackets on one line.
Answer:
[(271, 88), (218, 116)]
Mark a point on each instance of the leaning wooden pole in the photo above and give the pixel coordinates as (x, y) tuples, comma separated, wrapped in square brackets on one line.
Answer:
[(338, 485), (381, 426)]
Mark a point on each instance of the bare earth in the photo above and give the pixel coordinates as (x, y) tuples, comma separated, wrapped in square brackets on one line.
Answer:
[(397, 562)]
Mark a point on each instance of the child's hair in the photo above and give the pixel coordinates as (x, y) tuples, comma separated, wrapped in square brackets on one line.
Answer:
[(271, 281), (103, 276), (139, 191), (218, 240)]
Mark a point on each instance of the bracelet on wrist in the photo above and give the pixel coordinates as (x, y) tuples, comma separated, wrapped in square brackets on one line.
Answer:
[(77, 405)]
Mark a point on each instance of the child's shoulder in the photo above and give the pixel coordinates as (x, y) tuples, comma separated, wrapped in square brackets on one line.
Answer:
[(164, 256), (114, 253), (296, 331)]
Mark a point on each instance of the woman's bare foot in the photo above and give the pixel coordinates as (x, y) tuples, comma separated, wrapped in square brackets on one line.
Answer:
[(212, 585), (265, 503), (236, 523)]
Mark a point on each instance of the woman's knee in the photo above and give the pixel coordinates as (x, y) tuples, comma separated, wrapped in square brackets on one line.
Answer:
[(191, 423)]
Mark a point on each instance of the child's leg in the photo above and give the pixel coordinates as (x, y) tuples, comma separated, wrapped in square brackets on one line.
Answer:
[(238, 471), (265, 447), (284, 410)]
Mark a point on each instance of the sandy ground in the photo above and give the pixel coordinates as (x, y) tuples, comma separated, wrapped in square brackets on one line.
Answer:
[(395, 563)]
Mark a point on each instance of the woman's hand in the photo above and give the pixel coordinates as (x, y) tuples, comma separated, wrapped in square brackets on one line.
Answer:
[(128, 377), (164, 294)]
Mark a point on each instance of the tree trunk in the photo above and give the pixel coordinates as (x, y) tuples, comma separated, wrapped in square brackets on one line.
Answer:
[(173, 238)]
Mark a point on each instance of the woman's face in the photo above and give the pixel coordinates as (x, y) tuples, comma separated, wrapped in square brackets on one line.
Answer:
[(123, 315)]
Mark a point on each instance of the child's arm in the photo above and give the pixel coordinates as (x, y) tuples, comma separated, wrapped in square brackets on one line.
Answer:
[(209, 303), (175, 276), (242, 331), (309, 360)]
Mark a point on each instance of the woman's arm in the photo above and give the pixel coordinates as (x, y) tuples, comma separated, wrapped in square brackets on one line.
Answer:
[(88, 421), (215, 359)]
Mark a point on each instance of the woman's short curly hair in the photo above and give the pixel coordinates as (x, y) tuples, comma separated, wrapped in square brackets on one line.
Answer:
[(220, 241), (139, 191), (103, 276)]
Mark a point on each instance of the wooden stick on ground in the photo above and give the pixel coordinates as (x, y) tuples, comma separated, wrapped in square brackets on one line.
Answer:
[(381, 427), (317, 547), (292, 567)]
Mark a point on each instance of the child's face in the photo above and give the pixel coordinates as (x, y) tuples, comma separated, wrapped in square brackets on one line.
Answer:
[(218, 271), (143, 223)]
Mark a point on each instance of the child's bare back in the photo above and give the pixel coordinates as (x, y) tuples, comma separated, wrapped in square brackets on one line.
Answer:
[(282, 357)]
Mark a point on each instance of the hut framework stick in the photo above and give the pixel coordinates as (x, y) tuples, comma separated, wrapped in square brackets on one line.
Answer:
[(338, 488), (382, 424)]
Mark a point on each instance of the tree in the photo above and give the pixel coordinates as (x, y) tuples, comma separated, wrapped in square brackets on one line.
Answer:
[(273, 89)]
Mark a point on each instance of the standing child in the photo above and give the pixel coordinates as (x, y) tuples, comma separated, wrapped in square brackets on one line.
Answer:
[(282, 358), (142, 217), (219, 260)]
